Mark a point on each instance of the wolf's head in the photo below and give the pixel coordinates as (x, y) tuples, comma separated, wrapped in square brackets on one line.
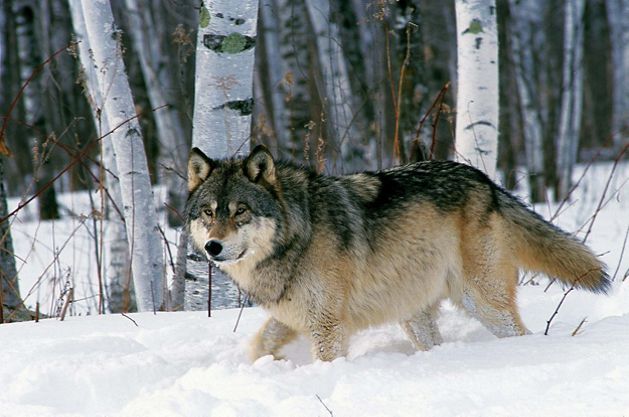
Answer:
[(233, 209)]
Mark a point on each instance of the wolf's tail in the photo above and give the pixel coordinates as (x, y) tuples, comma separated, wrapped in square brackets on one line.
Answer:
[(542, 247)]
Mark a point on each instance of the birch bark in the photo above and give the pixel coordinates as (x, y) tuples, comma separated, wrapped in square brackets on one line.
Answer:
[(117, 273), (28, 53), (571, 96), (138, 207), (223, 101), (333, 85), (618, 18), (172, 144), (477, 90), (523, 40)]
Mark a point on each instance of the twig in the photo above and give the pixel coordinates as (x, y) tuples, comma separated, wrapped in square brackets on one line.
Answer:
[(66, 304), (75, 160), (325, 406), (565, 294), (134, 322), (437, 101), (576, 331), (242, 307), (209, 291), (3, 149), (153, 299), (557, 310), (622, 253), (170, 254)]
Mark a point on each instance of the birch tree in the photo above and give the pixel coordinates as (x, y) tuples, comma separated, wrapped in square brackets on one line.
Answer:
[(333, 84), (117, 272), (173, 148), (137, 198), (524, 40), (618, 17), (477, 90), (571, 95), (28, 53), (223, 101)]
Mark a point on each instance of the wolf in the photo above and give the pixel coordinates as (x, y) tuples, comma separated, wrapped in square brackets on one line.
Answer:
[(327, 256)]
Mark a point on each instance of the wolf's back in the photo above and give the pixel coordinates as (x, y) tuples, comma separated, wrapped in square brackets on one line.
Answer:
[(540, 246)]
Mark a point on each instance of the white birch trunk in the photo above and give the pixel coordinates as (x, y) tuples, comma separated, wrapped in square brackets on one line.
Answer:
[(117, 272), (334, 86), (138, 206), (522, 41), (571, 96), (618, 18), (172, 149), (477, 90), (223, 101)]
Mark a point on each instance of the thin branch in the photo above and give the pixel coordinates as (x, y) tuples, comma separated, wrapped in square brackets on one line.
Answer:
[(325, 406), (576, 331), (134, 322)]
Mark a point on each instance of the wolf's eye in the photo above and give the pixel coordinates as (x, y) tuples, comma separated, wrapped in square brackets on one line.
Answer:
[(208, 212), (240, 210)]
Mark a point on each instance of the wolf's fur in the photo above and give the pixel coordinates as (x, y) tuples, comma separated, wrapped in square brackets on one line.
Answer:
[(327, 256)]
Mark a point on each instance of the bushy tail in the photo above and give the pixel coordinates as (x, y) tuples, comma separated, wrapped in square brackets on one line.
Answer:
[(542, 247)]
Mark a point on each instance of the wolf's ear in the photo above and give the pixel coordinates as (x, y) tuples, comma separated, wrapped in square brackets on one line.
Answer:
[(199, 168), (259, 165)]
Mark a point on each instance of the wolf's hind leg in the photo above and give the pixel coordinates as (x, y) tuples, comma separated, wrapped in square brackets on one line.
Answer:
[(422, 328), (498, 314), (271, 338)]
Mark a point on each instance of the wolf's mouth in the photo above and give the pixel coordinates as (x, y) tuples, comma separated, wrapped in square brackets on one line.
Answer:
[(221, 262)]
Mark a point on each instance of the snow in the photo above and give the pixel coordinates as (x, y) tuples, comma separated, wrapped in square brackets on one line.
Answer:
[(186, 364)]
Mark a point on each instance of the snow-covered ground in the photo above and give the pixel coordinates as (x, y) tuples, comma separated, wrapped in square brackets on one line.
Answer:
[(186, 364)]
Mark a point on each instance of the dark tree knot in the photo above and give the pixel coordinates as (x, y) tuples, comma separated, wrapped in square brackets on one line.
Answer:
[(244, 107), (230, 44)]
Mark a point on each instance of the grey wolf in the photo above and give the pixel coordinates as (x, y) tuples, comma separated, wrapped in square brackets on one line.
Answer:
[(327, 256)]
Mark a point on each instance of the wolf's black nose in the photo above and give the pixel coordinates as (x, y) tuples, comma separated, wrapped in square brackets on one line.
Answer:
[(213, 247)]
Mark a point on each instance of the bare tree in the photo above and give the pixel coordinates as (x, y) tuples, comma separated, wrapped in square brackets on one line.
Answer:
[(118, 269), (28, 52), (333, 84), (173, 148), (524, 40), (137, 197), (477, 90), (571, 96), (618, 17)]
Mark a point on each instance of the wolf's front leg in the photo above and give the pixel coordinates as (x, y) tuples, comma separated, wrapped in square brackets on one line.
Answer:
[(271, 338), (328, 339)]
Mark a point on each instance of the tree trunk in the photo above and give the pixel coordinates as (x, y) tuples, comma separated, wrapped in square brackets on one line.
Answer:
[(9, 287), (571, 99), (477, 91), (522, 35), (223, 101), (173, 148), (137, 197), (118, 271), (618, 18), (332, 81), (274, 71), (27, 45)]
